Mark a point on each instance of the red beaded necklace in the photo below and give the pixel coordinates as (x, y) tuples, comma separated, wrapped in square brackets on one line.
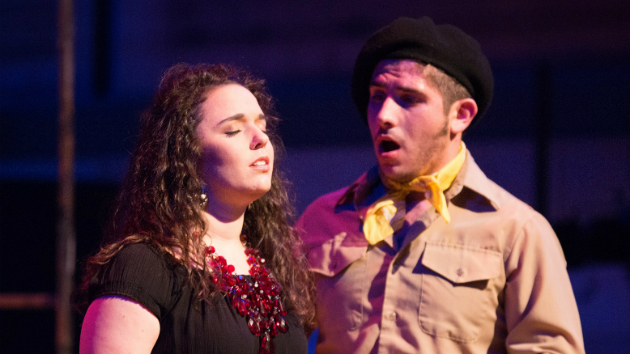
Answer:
[(258, 298)]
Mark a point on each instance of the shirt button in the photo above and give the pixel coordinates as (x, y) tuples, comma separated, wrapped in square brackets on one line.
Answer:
[(460, 272), (392, 316)]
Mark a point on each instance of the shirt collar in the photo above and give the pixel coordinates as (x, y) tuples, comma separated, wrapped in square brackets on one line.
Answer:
[(368, 187), (363, 188)]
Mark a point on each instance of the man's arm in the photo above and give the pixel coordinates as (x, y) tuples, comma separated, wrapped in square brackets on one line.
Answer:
[(540, 308)]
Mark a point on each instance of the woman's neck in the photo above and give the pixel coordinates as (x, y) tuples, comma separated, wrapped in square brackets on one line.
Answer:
[(224, 234), (224, 220)]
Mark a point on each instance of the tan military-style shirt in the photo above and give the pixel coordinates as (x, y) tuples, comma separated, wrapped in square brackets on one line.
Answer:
[(493, 280)]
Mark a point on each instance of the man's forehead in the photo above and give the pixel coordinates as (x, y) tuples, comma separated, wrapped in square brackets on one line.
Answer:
[(398, 66), (406, 72), (401, 74)]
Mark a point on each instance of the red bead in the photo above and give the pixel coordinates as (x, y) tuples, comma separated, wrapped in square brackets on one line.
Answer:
[(282, 325), (264, 307), (266, 345), (273, 328), (242, 306), (254, 327), (234, 299), (264, 324)]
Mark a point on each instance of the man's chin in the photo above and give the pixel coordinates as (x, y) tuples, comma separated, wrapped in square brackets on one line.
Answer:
[(394, 173)]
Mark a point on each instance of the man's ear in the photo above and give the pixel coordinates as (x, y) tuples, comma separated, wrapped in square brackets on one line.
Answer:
[(462, 113)]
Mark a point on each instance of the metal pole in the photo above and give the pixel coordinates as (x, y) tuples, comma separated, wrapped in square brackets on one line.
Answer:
[(66, 243), (21, 301)]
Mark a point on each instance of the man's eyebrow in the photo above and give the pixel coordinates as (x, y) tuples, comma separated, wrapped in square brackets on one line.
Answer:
[(377, 84), (408, 90), (398, 88)]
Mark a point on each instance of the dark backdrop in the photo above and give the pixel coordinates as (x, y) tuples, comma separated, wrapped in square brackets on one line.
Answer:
[(556, 134)]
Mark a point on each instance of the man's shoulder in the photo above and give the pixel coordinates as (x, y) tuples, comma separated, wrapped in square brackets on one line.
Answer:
[(322, 208), (507, 205), (512, 211), (521, 225), (328, 200), (500, 198), (342, 198), (331, 214)]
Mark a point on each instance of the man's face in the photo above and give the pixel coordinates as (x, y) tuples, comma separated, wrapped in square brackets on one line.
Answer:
[(406, 117)]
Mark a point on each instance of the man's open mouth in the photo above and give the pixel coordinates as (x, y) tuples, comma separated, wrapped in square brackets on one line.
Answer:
[(388, 145)]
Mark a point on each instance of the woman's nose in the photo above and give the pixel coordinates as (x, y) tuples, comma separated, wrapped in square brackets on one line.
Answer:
[(259, 140)]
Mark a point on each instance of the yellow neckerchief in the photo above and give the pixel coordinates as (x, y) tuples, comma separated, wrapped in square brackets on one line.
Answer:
[(387, 215)]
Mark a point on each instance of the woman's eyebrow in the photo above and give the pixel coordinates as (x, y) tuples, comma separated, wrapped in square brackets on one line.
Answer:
[(237, 116)]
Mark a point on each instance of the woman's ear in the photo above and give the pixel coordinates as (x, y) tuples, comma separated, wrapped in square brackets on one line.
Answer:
[(462, 113)]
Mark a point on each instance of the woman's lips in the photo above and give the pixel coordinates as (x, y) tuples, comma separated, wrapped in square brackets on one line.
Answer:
[(261, 163)]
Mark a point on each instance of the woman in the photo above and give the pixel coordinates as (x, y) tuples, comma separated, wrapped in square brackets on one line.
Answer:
[(201, 256)]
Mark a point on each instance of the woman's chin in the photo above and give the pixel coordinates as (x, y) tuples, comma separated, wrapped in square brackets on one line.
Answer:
[(258, 192)]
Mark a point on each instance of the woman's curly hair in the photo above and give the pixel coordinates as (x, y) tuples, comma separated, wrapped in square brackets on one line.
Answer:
[(159, 202)]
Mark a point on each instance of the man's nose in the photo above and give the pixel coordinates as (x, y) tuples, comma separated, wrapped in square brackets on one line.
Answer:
[(386, 116)]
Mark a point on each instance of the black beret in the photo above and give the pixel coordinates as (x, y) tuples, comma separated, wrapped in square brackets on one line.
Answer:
[(443, 46)]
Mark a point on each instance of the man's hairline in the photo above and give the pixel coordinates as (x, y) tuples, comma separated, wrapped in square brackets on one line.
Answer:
[(432, 69)]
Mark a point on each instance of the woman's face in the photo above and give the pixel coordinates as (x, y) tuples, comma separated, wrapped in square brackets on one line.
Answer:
[(237, 154)]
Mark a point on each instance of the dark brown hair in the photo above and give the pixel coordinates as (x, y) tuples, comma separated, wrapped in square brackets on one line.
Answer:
[(159, 202), (450, 89)]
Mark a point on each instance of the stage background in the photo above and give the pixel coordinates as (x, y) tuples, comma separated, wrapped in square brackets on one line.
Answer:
[(556, 135)]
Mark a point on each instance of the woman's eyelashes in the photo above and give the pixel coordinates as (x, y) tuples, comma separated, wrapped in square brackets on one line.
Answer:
[(232, 132), (262, 123), (238, 126), (236, 131)]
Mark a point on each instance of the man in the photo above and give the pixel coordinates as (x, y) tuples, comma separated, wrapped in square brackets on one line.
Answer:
[(423, 253)]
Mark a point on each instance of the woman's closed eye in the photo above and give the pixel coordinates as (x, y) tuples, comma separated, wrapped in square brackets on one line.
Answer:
[(232, 132), (262, 123)]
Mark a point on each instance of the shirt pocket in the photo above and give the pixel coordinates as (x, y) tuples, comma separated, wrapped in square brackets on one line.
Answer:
[(457, 296), (340, 269)]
